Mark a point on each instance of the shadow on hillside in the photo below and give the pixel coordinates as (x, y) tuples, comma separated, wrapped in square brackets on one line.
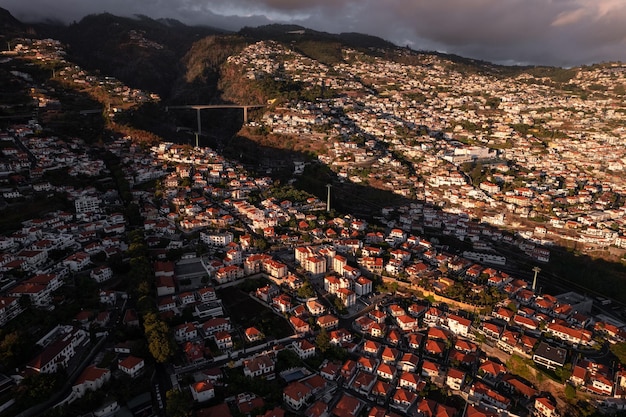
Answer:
[(360, 200), (568, 270)]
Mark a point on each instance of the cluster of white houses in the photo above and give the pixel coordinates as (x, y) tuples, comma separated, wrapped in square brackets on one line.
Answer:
[(570, 172)]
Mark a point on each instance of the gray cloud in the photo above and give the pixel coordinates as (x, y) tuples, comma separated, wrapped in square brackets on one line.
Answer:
[(556, 32)]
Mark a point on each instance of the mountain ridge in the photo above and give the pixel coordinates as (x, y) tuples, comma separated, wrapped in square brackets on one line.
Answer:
[(154, 54)]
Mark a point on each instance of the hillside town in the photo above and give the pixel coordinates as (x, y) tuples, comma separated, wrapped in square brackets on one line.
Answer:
[(169, 280), (552, 161)]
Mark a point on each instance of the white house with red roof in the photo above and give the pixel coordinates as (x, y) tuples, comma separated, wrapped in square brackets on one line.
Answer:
[(39, 294), (430, 369), (274, 268), (433, 316), (340, 337), (330, 370), (332, 283), (185, 332), (91, 379), (362, 286), (296, 394), (315, 307), (101, 274), (347, 406), (386, 371), (371, 347), (411, 381), (202, 391), (459, 325), (315, 265), (55, 355), (528, 323), (455, 378), (215, 325), (52, 281), (569, 334), (350, 272), (228, 274), (375, 265), (327, 321), (32, 258), (395, 310), (403, 399), (223, 340), (407, 323), (131, 366), (364, 323), (544, 407), (415, 340), (482, 392), (408, 362), (304, 348), (10, 307), (206, 294), (300, 326), (167, 303), (282, 303), (77, 261), (253, 334), (260, 365), (165, 285), (348, 297), (338, 262), (267, 292), (378, 330)]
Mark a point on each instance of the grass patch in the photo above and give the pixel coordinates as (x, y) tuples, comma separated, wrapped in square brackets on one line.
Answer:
[(524, 368)]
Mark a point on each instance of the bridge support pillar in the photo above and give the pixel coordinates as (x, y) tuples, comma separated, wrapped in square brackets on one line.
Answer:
[(245, 114), (199, 122)]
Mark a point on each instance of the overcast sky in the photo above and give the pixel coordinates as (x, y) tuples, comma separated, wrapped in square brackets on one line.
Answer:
[(554, 32)]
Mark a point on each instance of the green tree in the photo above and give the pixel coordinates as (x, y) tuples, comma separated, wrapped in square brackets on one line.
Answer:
[(563, 373), (37, 388), (261, 244), (178, 403), (392, 287), (157, 333), (322, 341), (287, 359), (619, 350), (306, 290), (160, 347), (338, 303), (12, 348)]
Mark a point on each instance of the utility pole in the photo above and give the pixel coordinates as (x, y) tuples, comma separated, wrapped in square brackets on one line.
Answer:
[(536, 270)]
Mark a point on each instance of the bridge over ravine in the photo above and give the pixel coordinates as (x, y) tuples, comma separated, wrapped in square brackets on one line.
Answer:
[(199, 107)]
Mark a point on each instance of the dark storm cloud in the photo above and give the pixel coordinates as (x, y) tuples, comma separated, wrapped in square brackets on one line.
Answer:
[(560, 32)]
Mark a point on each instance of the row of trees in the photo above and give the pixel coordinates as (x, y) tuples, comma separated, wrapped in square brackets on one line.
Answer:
[(141, 278), (157, 333)]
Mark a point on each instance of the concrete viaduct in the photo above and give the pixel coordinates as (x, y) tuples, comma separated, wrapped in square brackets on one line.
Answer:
[(199, 107)]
